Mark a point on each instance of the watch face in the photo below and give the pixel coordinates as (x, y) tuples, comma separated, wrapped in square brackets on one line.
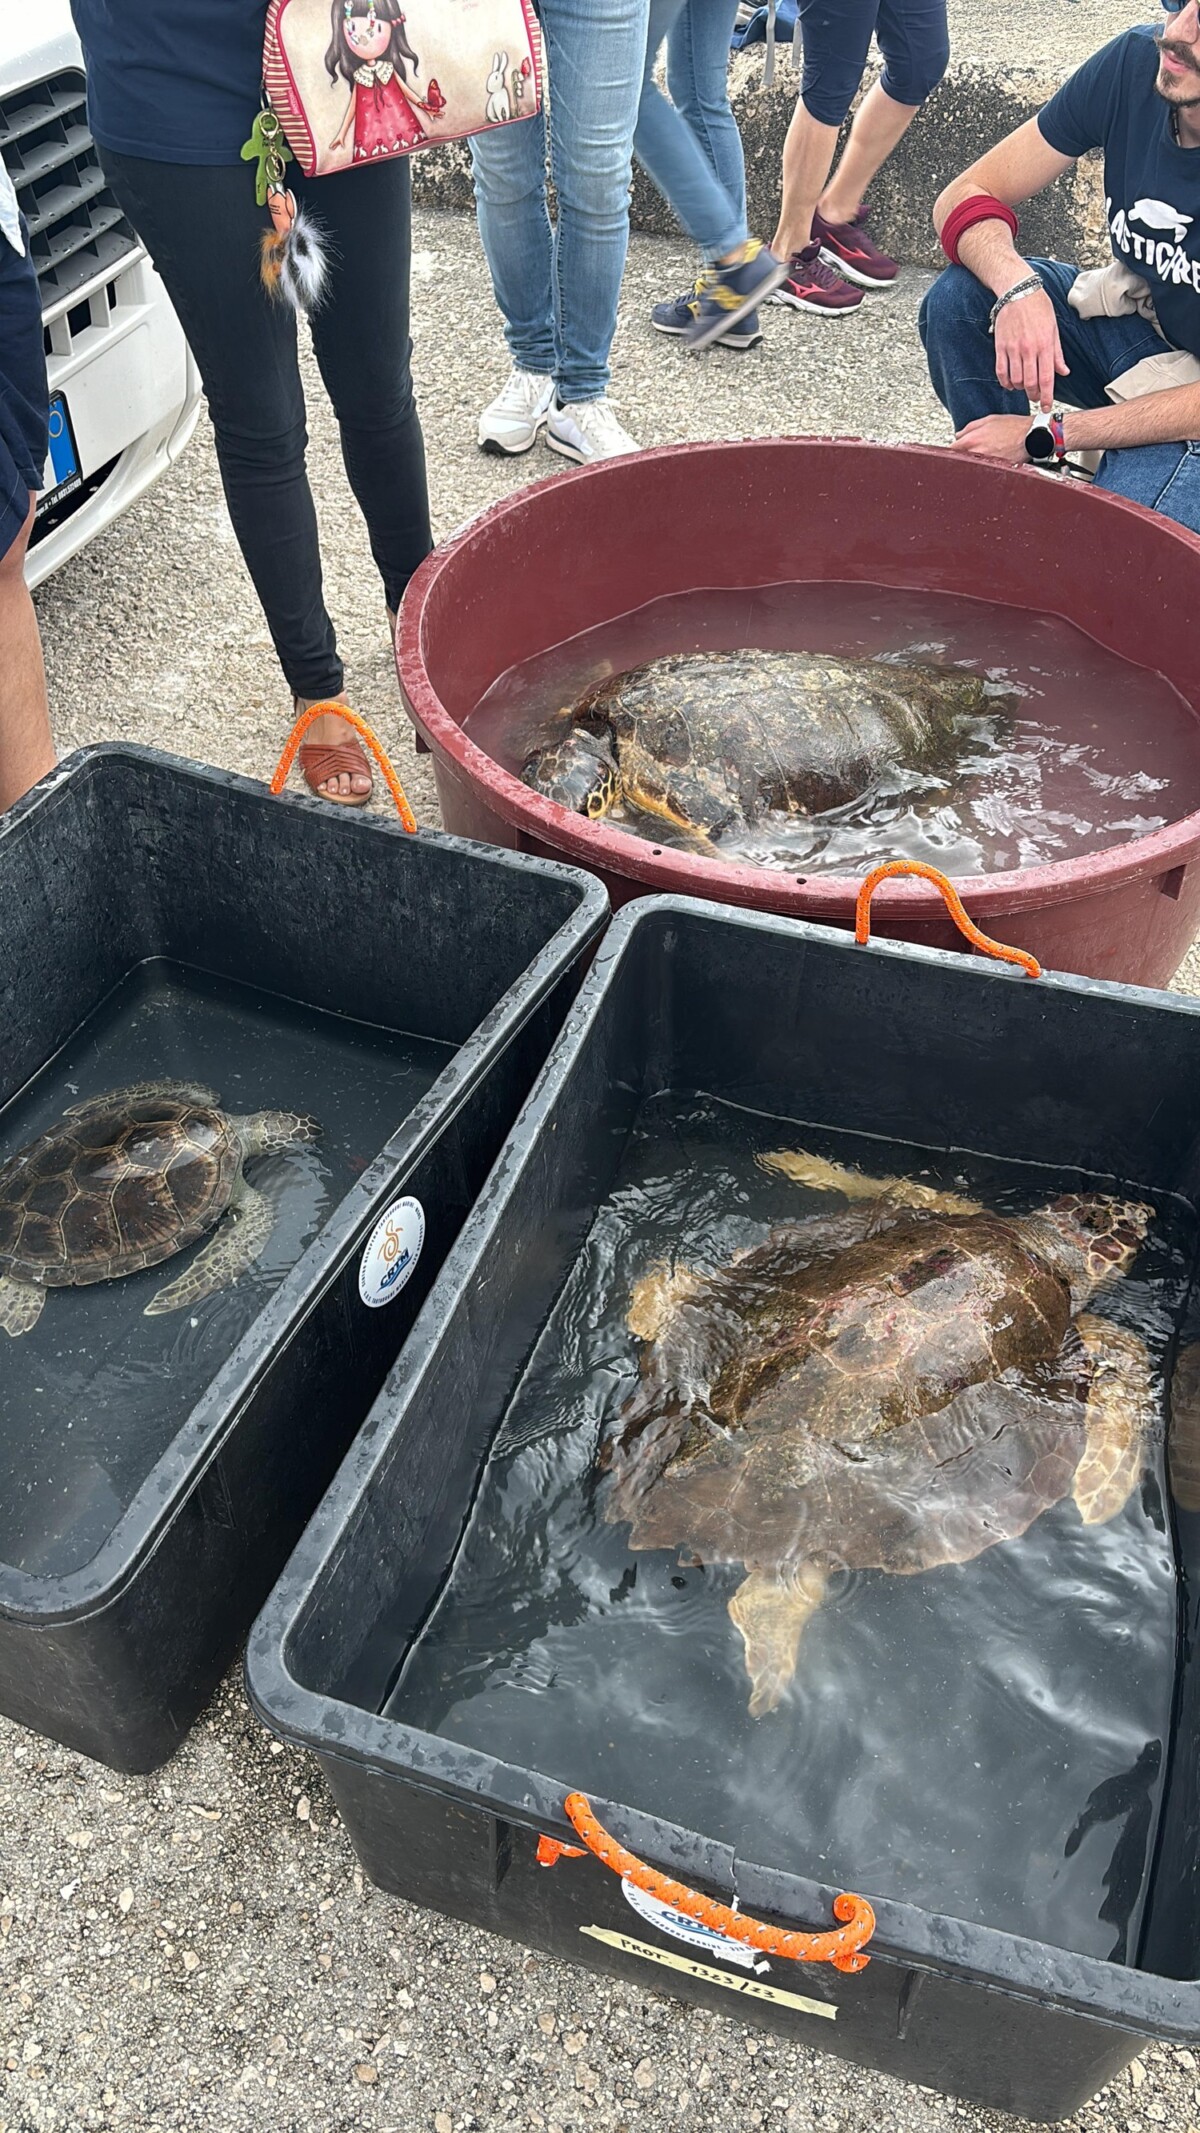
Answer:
[(1039, 442)]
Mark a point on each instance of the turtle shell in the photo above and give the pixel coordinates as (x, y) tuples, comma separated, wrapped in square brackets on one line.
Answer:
[(793, 731), (122, 1185), (907, 1401)]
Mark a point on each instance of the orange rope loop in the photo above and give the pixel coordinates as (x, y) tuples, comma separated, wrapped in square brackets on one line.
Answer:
[(842, 1947), (954, 904), (361, 727)]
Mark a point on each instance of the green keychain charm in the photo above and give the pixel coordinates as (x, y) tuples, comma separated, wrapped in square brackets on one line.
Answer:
[(294, 265), (268, 148)]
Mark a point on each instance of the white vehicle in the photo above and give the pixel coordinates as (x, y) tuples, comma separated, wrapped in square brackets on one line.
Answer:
[(124, 391)]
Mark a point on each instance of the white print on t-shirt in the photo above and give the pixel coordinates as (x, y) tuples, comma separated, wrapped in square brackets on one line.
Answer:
[(1166, 259), (1160, 215)]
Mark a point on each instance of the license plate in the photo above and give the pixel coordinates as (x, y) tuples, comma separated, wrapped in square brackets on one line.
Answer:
[(62, 462)]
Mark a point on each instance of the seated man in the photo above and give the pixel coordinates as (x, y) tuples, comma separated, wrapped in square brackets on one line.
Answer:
[(1003, 333)]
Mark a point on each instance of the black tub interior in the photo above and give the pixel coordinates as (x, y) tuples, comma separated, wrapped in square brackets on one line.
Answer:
[(737, 1034), (160, 924)]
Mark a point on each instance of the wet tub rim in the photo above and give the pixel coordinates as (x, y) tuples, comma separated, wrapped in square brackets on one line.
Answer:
[(1140, 2001), (616, 852), (43, 1601)]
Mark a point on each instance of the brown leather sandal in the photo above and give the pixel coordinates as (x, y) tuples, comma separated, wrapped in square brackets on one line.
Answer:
[(320, 760)]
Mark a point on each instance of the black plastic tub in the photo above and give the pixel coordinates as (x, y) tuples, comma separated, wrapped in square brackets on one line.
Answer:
[(413, 986), (789, 1020)]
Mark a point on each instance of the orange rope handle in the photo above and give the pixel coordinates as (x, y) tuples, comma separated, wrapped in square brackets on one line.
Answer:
[(842, 1947), (361, 727), (954, 904)]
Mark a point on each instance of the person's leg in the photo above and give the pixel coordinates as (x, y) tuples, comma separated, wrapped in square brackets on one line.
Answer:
[(836, 36), (595, 58), (26, 749), (879, 124), (202, 229), (361, 341), (953, 324), (698, 83), (669, 151), (915, 43), (1164, 477), (509, 168)]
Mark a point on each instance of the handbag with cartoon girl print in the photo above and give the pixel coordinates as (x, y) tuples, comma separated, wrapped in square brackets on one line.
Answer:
[(351, 82)]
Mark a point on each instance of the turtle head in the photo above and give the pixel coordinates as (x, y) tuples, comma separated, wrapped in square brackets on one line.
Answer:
[(1099, 1235), (579, 773)]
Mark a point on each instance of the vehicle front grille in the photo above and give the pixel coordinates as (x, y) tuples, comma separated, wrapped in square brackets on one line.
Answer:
[(76, 229)]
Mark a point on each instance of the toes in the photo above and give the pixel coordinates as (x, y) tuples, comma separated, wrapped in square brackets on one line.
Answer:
[(347, 784)]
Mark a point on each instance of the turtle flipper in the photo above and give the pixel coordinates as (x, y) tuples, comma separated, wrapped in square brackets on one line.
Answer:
[(20, 1305), (772, 1609), (184, 1092), (234, 1245), (1120, 1408), (823, 1176)]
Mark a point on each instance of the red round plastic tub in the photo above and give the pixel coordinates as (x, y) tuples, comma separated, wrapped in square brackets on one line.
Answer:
[(561, 556)]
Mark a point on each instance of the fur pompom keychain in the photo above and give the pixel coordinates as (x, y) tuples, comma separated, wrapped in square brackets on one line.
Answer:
[(294, 266)]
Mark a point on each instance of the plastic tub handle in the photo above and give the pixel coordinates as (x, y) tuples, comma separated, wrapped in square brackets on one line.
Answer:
[(842, 1947), (375, 745), (954, 904)]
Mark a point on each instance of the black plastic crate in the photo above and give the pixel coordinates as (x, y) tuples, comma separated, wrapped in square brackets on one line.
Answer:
[(790, 1020), (125, 865)]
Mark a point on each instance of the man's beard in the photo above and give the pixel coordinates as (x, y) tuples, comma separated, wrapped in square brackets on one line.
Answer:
[(1169, 89)]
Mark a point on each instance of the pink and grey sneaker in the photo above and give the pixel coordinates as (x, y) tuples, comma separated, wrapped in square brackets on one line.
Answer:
[(846, 247), (811, 285)]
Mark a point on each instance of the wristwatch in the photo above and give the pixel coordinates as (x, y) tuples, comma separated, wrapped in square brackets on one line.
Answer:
[(1044, 441)]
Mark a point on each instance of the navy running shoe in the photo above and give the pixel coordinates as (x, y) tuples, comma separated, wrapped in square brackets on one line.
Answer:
[(731, 293)]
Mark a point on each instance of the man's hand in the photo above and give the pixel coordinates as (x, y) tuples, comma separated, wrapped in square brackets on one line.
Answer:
[(1028, 350), (996, 437)]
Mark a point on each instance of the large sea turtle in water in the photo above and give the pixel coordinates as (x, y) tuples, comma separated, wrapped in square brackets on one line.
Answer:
[(710, 741), (898, 1386), (127, 1180)]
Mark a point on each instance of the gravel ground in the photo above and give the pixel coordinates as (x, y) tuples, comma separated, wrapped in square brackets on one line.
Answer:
[(1031, 32), (198, 1949)]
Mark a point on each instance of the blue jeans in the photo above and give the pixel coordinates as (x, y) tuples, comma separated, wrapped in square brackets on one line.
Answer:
[(558, 287), (691, 146), (962, 365)]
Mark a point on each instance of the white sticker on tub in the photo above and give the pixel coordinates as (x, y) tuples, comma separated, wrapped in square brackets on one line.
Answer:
[(392, 1253)]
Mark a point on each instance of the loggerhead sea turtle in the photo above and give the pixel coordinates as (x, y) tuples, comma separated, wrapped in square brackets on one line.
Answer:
[(128, 1179), (891, 1388), (709, 741)]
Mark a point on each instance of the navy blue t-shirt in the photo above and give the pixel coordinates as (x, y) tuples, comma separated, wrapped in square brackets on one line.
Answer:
[(177, 84), (1151, 185)]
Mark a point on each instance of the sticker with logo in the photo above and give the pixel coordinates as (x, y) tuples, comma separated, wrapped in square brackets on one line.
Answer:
[(392, 1252), (681, 1927)]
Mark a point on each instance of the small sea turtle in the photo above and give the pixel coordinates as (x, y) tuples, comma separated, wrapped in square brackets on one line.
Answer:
[(891, 1388), (709, 741), (127, 1180)]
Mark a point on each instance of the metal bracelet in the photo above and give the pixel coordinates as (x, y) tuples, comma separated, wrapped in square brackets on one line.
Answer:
[(1019, 288)]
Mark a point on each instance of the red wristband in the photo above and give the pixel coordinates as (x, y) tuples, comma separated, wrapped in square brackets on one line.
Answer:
[(983, 207)]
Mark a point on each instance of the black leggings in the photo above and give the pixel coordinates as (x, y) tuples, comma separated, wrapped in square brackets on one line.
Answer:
[(201, 228)]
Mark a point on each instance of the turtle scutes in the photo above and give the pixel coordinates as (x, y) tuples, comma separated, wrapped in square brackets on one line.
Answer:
[(127, 1180), (709, 742), (891, 1388)]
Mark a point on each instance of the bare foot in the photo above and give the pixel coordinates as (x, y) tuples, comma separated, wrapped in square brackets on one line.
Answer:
[(326, 733)]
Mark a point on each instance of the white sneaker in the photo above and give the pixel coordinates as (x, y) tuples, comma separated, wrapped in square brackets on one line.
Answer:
[(517, 414), (588, 429)]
